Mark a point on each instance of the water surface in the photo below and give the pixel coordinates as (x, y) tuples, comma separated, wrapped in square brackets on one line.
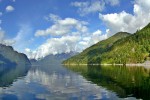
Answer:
[(56, 82)]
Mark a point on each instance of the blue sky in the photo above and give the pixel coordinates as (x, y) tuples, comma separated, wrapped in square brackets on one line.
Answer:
[(42, 27)]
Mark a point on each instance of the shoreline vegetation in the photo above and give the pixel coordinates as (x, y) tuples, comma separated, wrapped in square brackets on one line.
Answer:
[(146, 64)]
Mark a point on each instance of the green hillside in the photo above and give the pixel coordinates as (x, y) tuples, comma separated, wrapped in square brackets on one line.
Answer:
[(93, 53), (119, 49)]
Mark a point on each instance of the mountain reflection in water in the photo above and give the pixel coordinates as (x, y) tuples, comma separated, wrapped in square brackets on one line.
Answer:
[(124, 81), (55, 82)]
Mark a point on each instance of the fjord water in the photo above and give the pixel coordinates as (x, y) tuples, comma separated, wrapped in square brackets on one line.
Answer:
[(57, 82)]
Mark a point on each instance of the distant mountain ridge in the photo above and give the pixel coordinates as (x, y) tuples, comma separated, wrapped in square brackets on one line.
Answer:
[(8, 56), (128, 49), (53, 59)]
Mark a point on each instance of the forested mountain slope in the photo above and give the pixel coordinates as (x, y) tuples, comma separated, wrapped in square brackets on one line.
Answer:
[(121, 48), (93, 53)]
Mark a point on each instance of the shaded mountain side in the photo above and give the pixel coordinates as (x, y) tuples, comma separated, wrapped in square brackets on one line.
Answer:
[(4, 61), (9, 56), (93, 54), (53, 59)]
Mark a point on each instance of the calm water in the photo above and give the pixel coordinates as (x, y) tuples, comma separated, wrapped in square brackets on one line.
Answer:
[(55, 82)]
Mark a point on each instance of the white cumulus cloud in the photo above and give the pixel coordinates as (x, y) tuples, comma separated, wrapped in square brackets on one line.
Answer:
[(75, 42), (74, 36), (54, 46), (65, 44), (62, 26), (127, 22), (10, 8)]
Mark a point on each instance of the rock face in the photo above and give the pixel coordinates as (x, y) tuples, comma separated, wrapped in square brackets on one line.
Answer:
[(8, 56)]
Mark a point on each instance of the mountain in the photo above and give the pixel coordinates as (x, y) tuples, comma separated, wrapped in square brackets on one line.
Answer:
[(53, 59), (10, 57), (33, 61), (133, 49), (93, 54), (122, 48)]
